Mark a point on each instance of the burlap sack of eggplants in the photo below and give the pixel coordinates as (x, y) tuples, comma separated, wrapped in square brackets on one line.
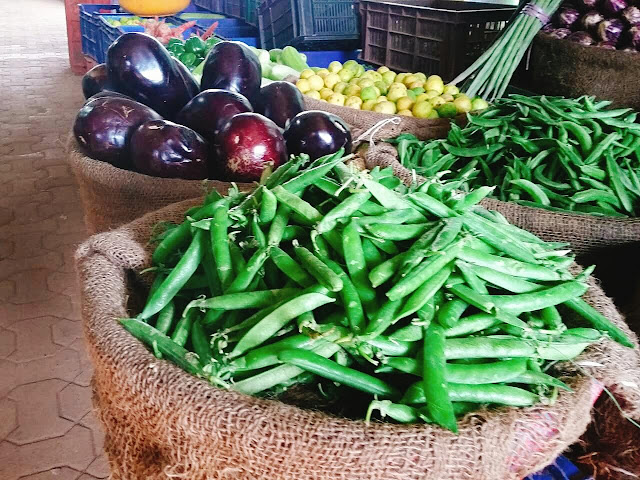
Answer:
[(112, 196), (161, 422), (564, 68)]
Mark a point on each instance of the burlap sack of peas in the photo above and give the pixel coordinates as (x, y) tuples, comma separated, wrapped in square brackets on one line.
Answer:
[(112, 196), (613, 243), (161, 422)]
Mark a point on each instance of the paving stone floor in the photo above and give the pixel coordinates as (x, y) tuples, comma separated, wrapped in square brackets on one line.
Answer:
[(47, 429)]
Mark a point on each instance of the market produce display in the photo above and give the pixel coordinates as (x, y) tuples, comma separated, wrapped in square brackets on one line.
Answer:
[(191, 52), (612, 24), (134, 99), (546, 152), (385, 91), (426, 304)]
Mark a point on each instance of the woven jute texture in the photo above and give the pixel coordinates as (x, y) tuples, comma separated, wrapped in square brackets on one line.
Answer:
[(362, 121), (112, 196), (560, 67), (161, 422)]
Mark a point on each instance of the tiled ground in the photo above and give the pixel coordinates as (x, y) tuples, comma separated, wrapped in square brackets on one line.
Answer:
[(47, 430)]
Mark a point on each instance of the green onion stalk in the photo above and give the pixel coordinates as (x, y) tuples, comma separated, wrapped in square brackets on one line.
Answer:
[(492, 72)]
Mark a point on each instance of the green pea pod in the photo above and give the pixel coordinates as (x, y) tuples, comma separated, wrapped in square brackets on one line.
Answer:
[(533, 190)]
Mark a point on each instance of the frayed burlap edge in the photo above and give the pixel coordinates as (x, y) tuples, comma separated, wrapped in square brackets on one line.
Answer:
[(161, 422), (112, 196)]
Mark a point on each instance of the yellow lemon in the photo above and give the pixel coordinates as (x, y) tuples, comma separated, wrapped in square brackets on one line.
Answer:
[(385, 107), (406, 113), (382, 99), (365, 82), (432, 94), (447, 98), (383, 70), (331, 80), (400, 77), (340, 87), (303, 85), (478, 104), (382, 87), (433, 114), (346, 74), (434, 84), (388, 77), (421, 109), (368, 93), (421, 76), (368, 105), (451, 89), (335, 67), (409, 79), (462, 104), (337, 99), (394, 94), (316, 82), (416, 84), (326, 93), (350, 63), (352, 90), (314, 94), (323, 72), (437, 101), (306, 73), (353, 102), (404, 103)]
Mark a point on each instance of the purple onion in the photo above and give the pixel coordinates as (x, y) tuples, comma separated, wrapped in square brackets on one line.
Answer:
[(591, 19), (614, 7), (633, 36), (607, 45), (610, 30), (560, 33), (631, 15), (582, 38), (567, 17)]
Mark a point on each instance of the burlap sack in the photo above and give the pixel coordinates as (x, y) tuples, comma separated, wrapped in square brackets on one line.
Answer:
[(161, 422), (378, 126), (561, 67), (112, 196)]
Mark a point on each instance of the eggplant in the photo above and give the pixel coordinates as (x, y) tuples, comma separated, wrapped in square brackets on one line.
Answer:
[(233, 66), (245, 146), (139, 66), (95, 81), (207, 112), (189, 79), (104, 125), (161, 148), (317, 133), (280, 102)]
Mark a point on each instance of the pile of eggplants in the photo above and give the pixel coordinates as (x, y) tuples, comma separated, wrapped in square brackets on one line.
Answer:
[(145, 112), (610, 24)]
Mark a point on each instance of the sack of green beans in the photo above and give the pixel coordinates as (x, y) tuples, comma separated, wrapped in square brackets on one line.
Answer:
[(112, 196), (329, 312)]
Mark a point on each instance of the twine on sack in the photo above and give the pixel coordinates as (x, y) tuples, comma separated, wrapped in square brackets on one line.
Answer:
[(377, 127)]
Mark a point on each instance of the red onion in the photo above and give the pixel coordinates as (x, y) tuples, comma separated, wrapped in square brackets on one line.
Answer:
[(610, 30), (567, 17), (613, 7), (591, 20), (634, 37), (631, 15), (582, 38)]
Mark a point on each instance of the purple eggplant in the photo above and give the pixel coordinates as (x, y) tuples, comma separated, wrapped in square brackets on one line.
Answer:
[(590, 20), (207, 112), (104, 125), (246, 145), (610, 30), (633, 37), (189, 79), (631, 15), (160, 148), (280, 101), (583, 38), (233, 66), (317, 133), (95, 81), (567, 17), (560, 33), (139, 66), (613, 7)]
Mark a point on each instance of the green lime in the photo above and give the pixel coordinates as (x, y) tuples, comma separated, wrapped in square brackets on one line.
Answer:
[(195, 45), (188, 58), (448, 110), (412, 95), (418, 90), (369, 93)]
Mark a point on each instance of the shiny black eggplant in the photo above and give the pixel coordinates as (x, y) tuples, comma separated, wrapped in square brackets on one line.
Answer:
[(233, 66), (139, 66), (161, 148), (104, 125), (317, 133), (187, 76), (280, 101), (209, 111)]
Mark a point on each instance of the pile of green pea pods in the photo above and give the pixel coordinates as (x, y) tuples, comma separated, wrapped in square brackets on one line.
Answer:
[(327, 275)]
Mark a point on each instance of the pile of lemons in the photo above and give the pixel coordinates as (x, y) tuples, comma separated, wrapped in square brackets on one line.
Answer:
[(385, 91)]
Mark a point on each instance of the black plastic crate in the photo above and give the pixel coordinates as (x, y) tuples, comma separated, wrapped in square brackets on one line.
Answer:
[(234, 8), (440, 37), (309, 24)]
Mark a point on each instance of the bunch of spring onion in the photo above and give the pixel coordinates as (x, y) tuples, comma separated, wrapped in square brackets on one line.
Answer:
[(492, 72)]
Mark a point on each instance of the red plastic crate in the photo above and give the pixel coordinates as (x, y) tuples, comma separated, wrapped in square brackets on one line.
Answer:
[(74, 38)]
